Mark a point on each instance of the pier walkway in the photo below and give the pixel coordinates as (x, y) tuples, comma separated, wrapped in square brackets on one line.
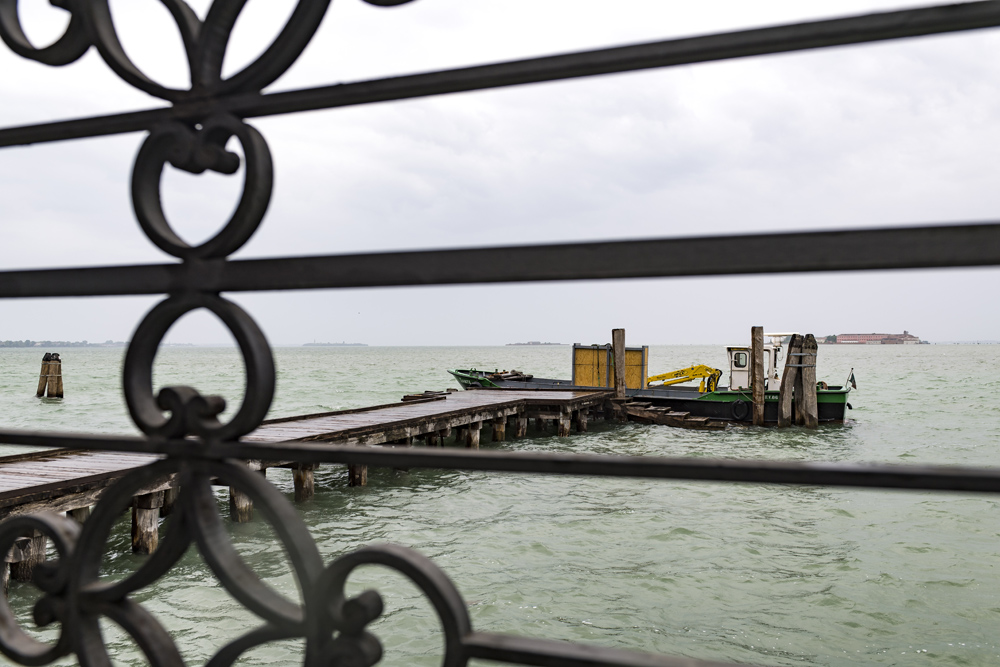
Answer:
[(71, 481)]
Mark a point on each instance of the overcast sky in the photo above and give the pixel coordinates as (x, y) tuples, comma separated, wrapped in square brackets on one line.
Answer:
[(889, 134)]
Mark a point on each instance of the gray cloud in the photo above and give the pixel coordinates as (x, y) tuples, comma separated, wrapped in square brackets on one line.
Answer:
[(876, 135)]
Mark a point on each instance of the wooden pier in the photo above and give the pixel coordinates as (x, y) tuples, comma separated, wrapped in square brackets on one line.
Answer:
[(71, 481)]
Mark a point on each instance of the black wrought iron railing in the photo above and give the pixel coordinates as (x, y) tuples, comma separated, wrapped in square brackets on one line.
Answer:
[(191, 134)]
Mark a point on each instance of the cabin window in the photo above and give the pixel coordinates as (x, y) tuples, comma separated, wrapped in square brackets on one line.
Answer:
[(740, 360)]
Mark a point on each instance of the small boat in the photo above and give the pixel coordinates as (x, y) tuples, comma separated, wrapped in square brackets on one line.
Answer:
[(732, 403)]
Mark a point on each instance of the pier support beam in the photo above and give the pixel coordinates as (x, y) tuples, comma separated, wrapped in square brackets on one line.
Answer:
[(462, 435), (240, 504), (432, 439), (499, 429), (581, 421), (521, 429), (80, 514), (565, 420), (26, 554), (472, 437), (169, 500), (357, 475), (146, 522), (303, 478), (540, 424)]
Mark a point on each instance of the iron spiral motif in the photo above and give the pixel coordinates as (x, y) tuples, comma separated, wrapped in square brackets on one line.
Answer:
[(73, 593)]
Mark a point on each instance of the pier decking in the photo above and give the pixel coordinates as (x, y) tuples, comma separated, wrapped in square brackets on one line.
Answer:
[(71, 481)]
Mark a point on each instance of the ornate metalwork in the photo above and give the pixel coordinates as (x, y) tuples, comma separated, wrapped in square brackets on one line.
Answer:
[(192, 134)]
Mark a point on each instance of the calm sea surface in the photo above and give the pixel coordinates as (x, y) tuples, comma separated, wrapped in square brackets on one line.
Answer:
[(757, 574)]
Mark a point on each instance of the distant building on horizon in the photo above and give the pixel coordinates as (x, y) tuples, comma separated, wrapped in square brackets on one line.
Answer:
[(905, 338)]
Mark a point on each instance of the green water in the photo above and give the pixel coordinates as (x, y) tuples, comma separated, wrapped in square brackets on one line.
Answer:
[(757, 574)]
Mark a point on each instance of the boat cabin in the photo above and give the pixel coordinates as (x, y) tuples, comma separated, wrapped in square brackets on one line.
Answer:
[(739, 363)]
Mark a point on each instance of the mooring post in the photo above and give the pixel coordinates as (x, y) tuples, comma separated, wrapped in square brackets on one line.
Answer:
[(810, 407), (499, 429), (55, 386), (618, 349), (757, 374), (521, 429), (43, 376), (357, 474), (240, 504), (79, 514), (304, 480), (146, 522), (788, 381), (472, 437)]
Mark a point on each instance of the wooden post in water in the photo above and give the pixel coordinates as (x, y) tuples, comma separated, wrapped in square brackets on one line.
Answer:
[(304, 481), (43, 376), (26, 554), (472, 437), (146, 522), (240, 504), (618, 348), (581, 421), (357, 474), (788, 380), (810, 407), (522, 425), (565, 421), (169, 500), (499, 429), (80, 514), (757, 374), (55, 384)]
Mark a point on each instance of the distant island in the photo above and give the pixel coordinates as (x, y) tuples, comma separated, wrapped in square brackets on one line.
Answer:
[(535, 342), (60, 343), (315, 344)]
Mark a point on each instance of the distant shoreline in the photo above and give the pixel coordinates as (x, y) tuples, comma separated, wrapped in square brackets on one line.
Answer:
[(335, 345)]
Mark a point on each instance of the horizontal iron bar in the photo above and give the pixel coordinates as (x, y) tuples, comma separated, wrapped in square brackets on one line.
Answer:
[(555, 653), (848, 250), (875, 476), (723, 46)]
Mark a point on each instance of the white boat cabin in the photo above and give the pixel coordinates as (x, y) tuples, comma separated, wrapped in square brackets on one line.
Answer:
[(739, 363)]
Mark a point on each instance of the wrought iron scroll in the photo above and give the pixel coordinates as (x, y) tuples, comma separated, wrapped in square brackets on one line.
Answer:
[(192, 134)]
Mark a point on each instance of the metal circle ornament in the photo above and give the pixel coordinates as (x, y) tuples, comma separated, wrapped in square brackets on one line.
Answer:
[(190, 412), (73, 43), (196, 150)]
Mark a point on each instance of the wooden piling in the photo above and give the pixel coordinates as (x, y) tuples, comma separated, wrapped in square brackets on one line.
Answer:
[(240, 504), (169, 500), (565, 421), (304, 480), (810, 407), (581, 421), (472, 437), (757, 374), (432, 439), (499, 429), (788, 380), (357, 475), (26, 554), (43, 376), (522, 425), (80, 514), (55, 384), (146, 522), (540, 425), (618, 348)]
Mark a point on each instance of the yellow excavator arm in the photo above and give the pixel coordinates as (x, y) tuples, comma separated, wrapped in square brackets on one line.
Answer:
[(709, 377)]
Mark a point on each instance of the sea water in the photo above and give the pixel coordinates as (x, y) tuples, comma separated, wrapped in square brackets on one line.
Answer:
[(776, 575)]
